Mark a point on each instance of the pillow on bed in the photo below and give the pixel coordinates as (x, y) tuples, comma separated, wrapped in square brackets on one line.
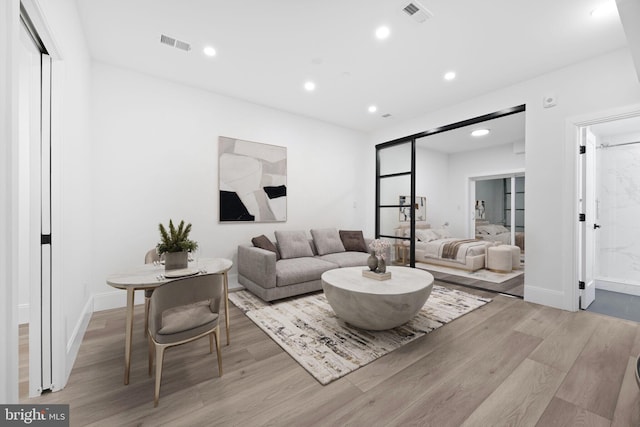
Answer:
[(442, 233), (501, 229), (482, 229), (426, 235), (491, 229)]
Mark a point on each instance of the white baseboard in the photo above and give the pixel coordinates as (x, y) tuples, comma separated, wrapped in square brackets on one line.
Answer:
[(544, 296), (73, 344), (618, 286), (23, 313)]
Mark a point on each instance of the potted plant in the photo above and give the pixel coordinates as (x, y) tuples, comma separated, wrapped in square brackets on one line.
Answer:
[(176, 245)]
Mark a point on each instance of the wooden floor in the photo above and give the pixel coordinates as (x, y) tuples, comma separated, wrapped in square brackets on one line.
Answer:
[(508, 363)]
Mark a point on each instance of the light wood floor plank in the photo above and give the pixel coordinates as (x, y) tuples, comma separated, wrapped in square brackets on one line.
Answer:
[(521, 399), (469, 384), (594, 381), (561, 413), (543, 322), (561, 349), (627, 411), (372, 375), (482, 344)]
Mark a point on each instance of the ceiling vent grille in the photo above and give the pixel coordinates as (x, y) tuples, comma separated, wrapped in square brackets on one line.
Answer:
[(167, 40), (418, 12), (178, 44)]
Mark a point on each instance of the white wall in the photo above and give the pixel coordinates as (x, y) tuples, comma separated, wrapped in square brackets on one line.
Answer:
[(496, 160), (9, 10), (599, 84), (156, 157), (432, 170)]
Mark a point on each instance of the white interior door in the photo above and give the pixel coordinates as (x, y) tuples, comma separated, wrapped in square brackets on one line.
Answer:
[(34, 270), (589, 225)]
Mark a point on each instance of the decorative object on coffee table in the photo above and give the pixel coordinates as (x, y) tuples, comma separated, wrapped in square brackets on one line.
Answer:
[(175, 245), (382, 265), (372, 261), (380, 247)]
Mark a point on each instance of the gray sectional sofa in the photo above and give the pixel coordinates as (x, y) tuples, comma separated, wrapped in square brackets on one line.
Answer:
[(294, 263)]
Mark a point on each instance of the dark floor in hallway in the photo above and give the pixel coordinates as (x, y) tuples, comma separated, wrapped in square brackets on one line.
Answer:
[(615, 304)]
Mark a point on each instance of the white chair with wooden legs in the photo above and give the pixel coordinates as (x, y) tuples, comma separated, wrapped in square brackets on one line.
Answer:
[(182, 311)]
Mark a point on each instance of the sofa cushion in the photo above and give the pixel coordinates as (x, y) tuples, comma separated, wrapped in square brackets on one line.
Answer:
[(353, 240), (299, 270), (327, 241), (263, 242), (293, 244), (347, 259)]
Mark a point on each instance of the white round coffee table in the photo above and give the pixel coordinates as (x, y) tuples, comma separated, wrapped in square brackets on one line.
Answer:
[(376, 304)]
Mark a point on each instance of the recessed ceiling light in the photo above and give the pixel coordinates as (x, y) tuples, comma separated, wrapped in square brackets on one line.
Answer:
[(480, 132), (382, 32), (450, 75), (605, 9), (309, 86), (209, 51), (372, 108)]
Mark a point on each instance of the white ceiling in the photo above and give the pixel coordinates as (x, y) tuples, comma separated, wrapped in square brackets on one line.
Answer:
[(267, 49), (503, 130)]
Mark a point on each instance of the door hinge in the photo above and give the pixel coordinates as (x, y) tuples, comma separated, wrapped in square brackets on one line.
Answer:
[(583, 149), (580, 284), (582, 217), (45, 239)]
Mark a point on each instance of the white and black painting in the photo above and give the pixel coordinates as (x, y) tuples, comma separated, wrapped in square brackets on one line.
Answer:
[(253, 181), (419, 207)]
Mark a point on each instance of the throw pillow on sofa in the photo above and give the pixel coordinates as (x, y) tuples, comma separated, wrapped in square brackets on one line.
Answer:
[(293, 244), (263, 242), (353, 240), (327, 241)]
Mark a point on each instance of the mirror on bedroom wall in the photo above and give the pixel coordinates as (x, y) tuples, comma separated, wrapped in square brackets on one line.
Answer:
[(499, 210)]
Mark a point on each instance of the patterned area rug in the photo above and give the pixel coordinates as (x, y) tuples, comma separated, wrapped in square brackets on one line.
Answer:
[(327, 347), (482, 274)]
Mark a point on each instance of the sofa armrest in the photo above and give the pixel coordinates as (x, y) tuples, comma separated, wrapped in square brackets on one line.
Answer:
[(257, 265)]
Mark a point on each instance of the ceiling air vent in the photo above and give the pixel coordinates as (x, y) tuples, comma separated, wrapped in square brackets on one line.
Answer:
[(417, 11), (178, 44), (167, 40)]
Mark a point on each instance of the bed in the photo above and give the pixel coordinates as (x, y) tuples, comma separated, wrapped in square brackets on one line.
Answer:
[(498, 233), (436, 246)]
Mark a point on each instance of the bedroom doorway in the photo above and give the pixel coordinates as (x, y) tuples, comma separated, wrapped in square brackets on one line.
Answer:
[(422, 182)]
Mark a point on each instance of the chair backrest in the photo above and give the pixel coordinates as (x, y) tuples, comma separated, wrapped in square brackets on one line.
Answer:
[(190, 290), (151, 256)]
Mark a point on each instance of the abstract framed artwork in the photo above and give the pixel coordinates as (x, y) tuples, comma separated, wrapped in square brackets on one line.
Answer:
[(420, 208), (252, 181)]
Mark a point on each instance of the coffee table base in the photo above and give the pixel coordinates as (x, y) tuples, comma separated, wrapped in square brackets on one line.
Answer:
[(374, 310)]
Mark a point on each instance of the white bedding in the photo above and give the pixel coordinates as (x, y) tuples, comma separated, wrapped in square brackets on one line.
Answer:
[(433, 249)]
